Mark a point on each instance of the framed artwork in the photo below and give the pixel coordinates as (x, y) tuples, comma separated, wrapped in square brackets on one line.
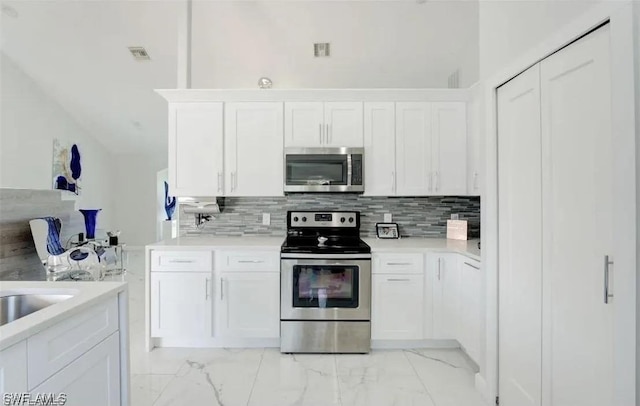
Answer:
[(67, 167), (387, 230)]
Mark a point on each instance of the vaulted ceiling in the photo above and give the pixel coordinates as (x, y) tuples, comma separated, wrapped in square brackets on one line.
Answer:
[(77, 52)]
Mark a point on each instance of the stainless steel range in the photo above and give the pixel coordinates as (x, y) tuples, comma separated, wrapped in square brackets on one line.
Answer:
[(325, 288)]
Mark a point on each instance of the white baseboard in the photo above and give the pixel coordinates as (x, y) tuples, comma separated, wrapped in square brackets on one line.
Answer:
[(218, 342)]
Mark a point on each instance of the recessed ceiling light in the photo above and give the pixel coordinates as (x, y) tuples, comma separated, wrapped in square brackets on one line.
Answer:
[(9, 11), (139, 53)]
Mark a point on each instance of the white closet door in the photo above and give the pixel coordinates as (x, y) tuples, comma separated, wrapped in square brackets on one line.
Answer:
[(520, 242), (577, 223)]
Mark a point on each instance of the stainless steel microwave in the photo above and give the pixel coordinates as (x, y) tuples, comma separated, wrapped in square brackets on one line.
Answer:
[(324, 170)]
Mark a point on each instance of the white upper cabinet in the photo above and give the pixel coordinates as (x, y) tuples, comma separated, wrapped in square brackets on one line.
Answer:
[(379, 149), (318, 124), (475, 153), (413, 149), (304, 124), (253, 149), (343, 123), (449, 148), (195, 149)]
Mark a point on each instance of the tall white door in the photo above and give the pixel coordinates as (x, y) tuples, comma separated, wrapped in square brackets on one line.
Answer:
[(413, 148), (254, 149), (520, 241), (304, 124), (577, 212), (379, 146), (449, 144), (343, 124)]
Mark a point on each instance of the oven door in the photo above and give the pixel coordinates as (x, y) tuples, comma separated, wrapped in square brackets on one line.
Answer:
[(325, 289)]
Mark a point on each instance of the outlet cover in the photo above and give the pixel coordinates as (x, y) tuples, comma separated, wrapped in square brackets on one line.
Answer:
[(388, 218), (266, 219)]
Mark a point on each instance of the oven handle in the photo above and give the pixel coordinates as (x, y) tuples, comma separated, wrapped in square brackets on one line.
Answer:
[(318, 257)]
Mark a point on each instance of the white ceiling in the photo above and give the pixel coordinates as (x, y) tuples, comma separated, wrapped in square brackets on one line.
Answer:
[(77, 51)]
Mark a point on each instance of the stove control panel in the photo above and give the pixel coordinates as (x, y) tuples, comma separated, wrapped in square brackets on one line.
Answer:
[(323, 219)]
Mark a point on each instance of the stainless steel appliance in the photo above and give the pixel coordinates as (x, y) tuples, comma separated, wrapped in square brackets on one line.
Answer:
[(325, 289), (324, 170)]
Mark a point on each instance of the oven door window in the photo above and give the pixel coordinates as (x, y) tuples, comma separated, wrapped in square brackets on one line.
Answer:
[(324, 286), (305, 170)]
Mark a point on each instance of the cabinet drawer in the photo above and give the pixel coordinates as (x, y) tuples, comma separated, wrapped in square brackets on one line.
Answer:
[(54, 348), (250, 261), (398, 263), (188, 261)]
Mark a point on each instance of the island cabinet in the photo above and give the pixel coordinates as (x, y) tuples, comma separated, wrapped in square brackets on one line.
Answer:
[(323, 124), (13, 369), (397, 297), (248, 294), (181, 288)]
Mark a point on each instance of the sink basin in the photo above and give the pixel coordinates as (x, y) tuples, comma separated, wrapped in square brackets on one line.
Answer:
[(16, 306)]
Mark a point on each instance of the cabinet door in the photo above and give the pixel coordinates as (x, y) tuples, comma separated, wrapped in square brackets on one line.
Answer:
[(398, 303), (470, 320), (446, 280), (475, 151), (92, 379), (413, 149), (380, 147), (449, 143), (13, 369), (304, 124), (250, 304), (181, 304), (343, 124), (253, 149), (195, 149)]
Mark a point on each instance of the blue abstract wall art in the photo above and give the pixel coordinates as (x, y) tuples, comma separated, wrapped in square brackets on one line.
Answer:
[(67, 167), (169, 202)]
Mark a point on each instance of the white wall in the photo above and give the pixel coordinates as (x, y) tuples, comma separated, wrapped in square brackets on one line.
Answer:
[(29, 122), (509, 28), (136, 206), (373, 43)]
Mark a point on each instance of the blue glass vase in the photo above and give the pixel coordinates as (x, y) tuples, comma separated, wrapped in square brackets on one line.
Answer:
[(90, 217)]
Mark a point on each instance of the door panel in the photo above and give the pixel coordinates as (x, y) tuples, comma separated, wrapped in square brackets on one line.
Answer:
[(449, 143), (304, 122), (413, 149), (379, 145), (392, 295), (520, 241), (577, 223), (343, 124)]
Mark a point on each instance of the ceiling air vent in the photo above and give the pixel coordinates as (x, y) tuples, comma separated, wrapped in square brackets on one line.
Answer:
[(321, 49), (139, 53)]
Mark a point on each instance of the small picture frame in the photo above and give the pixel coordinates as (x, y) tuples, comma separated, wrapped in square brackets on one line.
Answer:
[(387, 230)]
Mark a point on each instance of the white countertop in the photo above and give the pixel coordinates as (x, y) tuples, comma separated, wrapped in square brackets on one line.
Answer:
[(85, 295), (411, 244)]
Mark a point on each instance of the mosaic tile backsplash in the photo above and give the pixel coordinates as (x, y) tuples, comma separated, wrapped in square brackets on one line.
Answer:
[(416, 216)]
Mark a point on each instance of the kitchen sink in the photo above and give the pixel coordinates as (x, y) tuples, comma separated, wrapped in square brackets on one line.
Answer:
[(16, 306)]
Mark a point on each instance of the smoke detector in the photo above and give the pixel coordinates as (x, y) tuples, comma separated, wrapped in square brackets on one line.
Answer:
[(139, 53), (321, 49)]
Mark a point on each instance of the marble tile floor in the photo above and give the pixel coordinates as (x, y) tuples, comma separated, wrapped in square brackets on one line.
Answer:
[(264, 377)]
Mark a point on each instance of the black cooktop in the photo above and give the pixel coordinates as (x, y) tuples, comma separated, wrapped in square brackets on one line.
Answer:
[(318, 245)]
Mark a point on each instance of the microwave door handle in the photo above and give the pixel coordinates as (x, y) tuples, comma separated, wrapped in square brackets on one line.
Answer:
[(349, 169)]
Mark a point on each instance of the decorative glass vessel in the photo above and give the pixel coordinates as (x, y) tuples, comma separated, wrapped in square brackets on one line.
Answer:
[(90, 217)]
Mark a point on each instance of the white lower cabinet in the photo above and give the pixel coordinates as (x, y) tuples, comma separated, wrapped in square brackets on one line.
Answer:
[(249, 304), (445, 276), (13, 369), (92, 379), (181, 304), (397, 307), (471, 310)]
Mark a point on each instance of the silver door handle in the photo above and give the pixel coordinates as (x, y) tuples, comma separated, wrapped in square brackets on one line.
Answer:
[(472, 266), (439, 267), (250, 261), (607, 263), (328, 133), (219, 181), (206, 287), (398, 279), (320, 132), (398, 263), (180, 261), (221, 288)]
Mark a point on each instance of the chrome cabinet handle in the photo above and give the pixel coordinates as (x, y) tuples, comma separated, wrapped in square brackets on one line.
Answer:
[(232, 183), (439, 267), (393, 181), (219, 181), (475, 181), (320, 131), (221, 288), (398, 279), (181, 261), (253, 261), (206, 289), (235, 178), (430, 178), (472, 266), (328, 133), (607, 263), (398, 263)]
